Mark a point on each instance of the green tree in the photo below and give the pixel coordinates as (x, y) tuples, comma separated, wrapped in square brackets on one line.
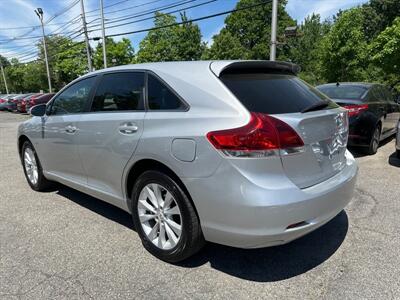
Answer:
[(305, 47), (15, 73), (187, 40), (179, 42), (118, 53), (33, 78), (158, 45), (225, 46), (343, 54), (5, 63), (67, 60), (252, 28), (385, 53)]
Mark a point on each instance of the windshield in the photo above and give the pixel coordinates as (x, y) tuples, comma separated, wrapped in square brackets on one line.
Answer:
[(352, 92)]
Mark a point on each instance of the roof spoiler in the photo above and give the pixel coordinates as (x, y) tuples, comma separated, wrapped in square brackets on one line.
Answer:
[(222, 67)]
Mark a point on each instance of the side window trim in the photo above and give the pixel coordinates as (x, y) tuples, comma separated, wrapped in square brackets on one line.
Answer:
[(68, 86), (100, 77), (186, 106)]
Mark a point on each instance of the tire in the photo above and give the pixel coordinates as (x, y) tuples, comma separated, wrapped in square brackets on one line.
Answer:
[(180, 211), (374, 142), (30, 164)]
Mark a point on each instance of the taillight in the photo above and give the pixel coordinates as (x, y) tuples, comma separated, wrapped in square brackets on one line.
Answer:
[(263, 136), (356, 109)]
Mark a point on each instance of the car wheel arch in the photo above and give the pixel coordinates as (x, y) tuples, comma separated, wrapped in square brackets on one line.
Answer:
[(144, 165), (21, 140)]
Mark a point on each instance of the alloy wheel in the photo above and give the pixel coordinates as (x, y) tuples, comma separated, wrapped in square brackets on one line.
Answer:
[(375, 139), (31, 167), (160, 216)]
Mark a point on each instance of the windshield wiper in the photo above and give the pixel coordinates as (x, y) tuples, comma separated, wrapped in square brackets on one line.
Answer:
[(317, 106)]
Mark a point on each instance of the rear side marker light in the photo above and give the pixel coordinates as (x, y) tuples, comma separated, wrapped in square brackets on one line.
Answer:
[(263, 136), (355, 110)]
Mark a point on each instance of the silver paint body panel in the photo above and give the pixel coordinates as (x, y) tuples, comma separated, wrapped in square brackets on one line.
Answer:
[(241, 202)]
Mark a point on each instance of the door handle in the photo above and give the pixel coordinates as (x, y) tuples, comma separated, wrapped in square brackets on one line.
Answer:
[(71, 129), (128, 128)]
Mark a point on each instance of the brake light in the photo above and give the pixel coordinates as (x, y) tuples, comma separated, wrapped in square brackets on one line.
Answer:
[(356, 109), (263, 136)]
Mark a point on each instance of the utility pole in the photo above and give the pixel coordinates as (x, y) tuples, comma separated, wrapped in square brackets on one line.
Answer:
[(274, 24), (89, 59), (103, 34), (39, 13), (4, 77)]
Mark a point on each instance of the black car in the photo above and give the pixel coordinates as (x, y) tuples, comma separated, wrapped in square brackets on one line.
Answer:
[(373, 111)]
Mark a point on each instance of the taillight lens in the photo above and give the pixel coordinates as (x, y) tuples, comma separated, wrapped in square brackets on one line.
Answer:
[(356, 109), (263, 136)]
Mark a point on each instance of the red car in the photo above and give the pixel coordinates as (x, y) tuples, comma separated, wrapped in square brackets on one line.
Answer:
[(35, 100), (21, 105)]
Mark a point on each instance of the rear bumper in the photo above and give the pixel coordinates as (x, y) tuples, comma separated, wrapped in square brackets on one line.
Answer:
[(237, 212)]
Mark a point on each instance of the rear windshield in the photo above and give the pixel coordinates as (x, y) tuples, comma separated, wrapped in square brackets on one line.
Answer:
[(273, 93), (352, 92)]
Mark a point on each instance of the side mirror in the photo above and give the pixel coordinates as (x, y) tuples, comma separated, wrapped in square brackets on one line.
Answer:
[(38, 110)]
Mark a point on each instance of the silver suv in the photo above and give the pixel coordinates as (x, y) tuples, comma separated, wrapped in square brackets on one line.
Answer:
[(241, 153)]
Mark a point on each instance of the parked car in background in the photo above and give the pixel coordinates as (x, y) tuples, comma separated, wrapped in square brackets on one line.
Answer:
[(9, 102), (21, 105), (4, 100), (373, 111), (241, 153), (38, 99), (13, 102)]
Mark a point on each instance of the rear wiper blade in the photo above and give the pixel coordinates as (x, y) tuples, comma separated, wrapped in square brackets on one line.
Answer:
[(316, 106)]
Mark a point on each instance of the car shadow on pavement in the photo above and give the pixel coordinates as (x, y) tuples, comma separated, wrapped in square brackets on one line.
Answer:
[(279, 262), (102, 208), (393, 160), (261, 265)]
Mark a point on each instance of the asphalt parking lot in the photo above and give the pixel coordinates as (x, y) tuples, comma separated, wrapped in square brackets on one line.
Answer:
[(66, 245)]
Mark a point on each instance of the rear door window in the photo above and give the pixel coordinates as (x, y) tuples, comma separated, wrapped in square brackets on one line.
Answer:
[(273, 93), (120, 92)]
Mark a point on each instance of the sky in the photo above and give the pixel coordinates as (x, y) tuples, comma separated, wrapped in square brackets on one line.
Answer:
[(15, 14)]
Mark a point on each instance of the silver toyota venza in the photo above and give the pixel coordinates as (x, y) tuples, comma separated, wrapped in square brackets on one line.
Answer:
[(241, 153)]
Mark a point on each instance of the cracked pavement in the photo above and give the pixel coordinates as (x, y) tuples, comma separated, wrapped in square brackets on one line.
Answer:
[(67, 245)]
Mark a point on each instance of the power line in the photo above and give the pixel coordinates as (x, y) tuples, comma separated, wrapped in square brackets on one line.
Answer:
[(33, 37), (151, 11), (61, 12), (107, 6), (24, 35), (152, 17), (193, 20), (130, 7), (66, 24)]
